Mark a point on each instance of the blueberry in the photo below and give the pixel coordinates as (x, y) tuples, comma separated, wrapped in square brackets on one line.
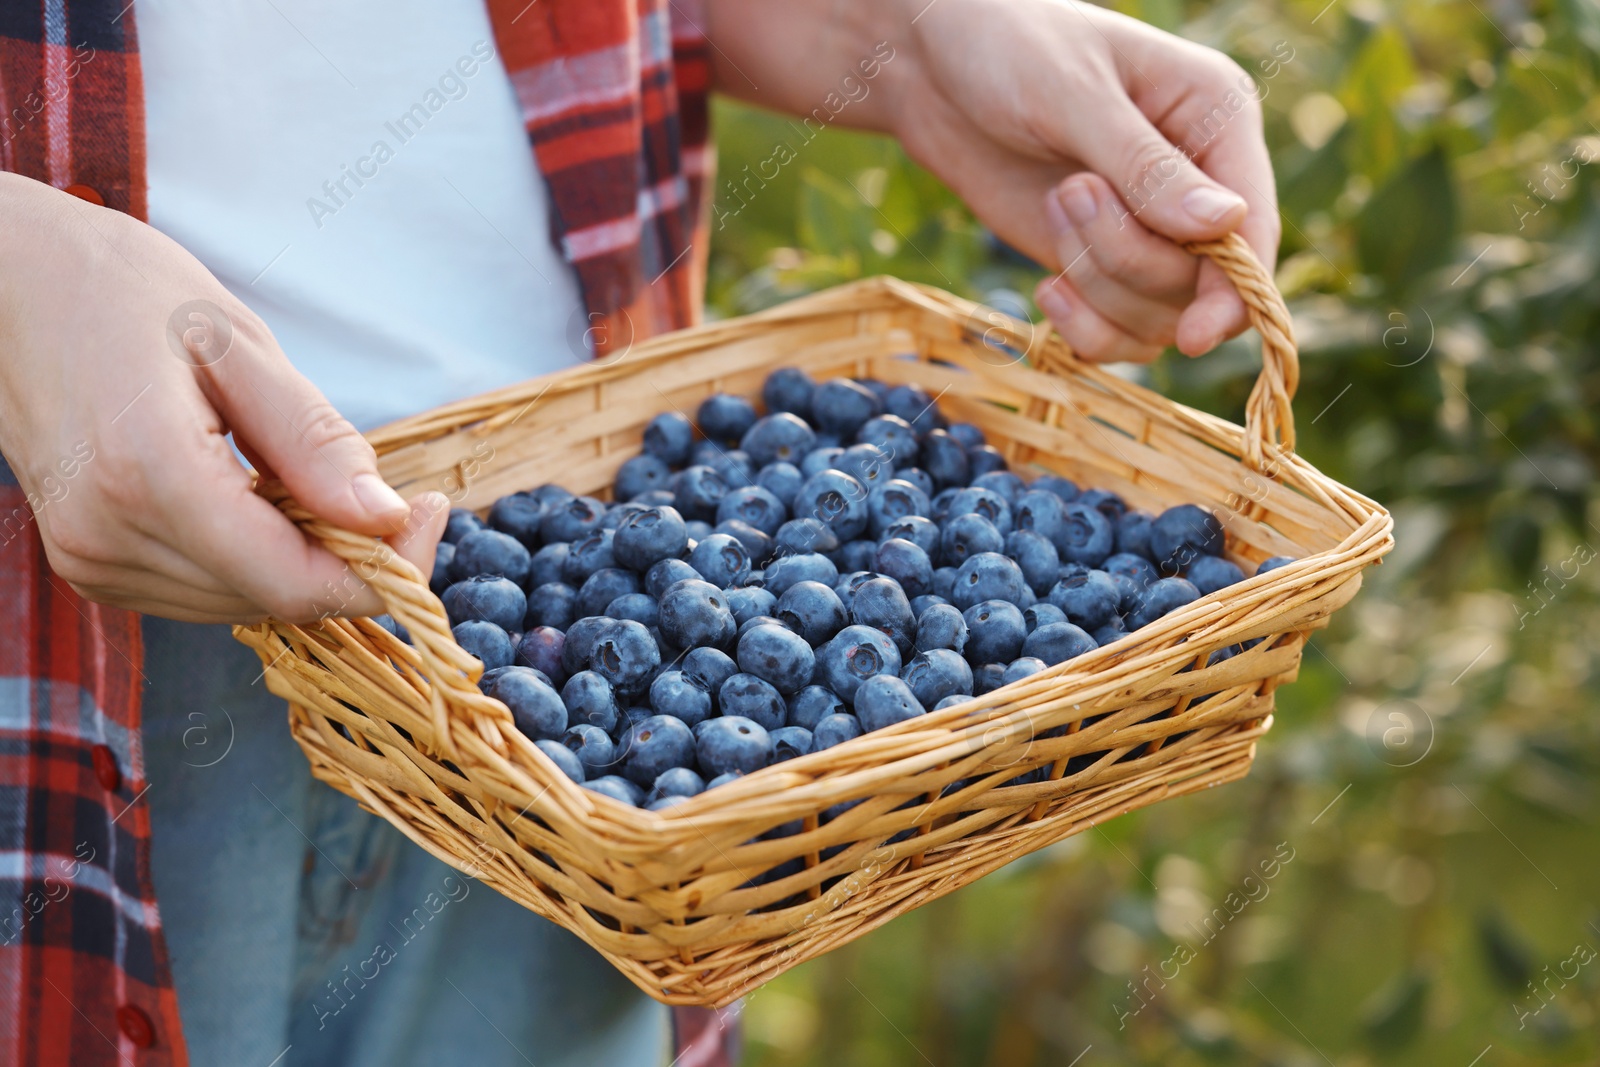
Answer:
[(695, 613), (666, 573), (672, 693), (721, 560), (588, 554), (812, 704), (646, 537), (748, 602), (490, 552), (985, 459), (699, 490), (781, 436), (439, 577), (654, 745), (591, 701), (1111, 631), (841, 406), (1089, 600), (836, 499), (733, 744), (892, 500), (487, 597), (968, 535), (995, 632), (1042, 614), (570, 520), (777, 655), (944, 581), (1273, 563), (676, 782), (853, 655), (945, 460), (1038, 558), (566, 761), (540, 648), (725, 418), (669, 438), (1008, 484), (1087, 536), (518, 515), (536, 709), (1022, 667), (966, 433), (787, 571), (884, 701), (1065, 488), (625, 655), (913, 405), (917, 477), (845, 588), (388, 623), (753, 505), (708, 668), (485, 640), (593, 746), (936, 674), (988, 576), (882, 604), (581, 637), (460, 523), (1042, 512), (1058, 642), (812, 610), (920, 604), (604, 586), (790, 742), (987, 678), (1135, 567), (788, 389), (799, 537), (1160, 597), (783, 480), (548, 564), (1133, 533), (941, 626), (920, 531), (617, 788), (1104, 501), (1211, 573), (640, 474), (858, 555), (892, 436), (819, 459), (834, 730), (1181, 535), (640, 607), (906, 564)]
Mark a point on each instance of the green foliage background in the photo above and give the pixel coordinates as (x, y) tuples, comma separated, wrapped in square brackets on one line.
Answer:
[(1433, 772)]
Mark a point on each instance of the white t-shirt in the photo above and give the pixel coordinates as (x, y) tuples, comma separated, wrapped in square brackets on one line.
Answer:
[(357, 173)]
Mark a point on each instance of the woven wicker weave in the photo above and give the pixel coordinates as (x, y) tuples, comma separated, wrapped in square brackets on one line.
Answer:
[(694, 904)]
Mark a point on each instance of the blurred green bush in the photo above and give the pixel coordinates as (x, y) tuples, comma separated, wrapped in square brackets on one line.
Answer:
[(1433, 773)]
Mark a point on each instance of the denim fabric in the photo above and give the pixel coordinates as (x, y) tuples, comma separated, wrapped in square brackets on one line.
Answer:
[(302, 927)]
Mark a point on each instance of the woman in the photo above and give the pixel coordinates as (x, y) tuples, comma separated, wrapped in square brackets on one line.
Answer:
[(263, 227)]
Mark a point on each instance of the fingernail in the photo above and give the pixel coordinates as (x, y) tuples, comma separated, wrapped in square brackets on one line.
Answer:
[(374, 494), (1078, 202), (1210, 205)]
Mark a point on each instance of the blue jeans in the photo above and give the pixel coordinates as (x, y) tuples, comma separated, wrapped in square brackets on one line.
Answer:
[(303, 928)]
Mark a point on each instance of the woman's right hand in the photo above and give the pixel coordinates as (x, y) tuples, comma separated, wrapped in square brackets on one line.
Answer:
[(117, 393)]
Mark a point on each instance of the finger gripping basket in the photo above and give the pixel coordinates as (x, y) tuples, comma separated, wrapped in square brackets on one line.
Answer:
[(709, 899)]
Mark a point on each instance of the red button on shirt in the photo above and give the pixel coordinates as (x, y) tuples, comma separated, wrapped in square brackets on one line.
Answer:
[(136, 1026), (86, 192), (105, 768)]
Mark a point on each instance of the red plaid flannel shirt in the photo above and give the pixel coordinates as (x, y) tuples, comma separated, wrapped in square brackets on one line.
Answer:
[(614, 98)]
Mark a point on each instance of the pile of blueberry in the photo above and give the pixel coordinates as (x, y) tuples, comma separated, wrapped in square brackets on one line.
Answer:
[(784, 582)]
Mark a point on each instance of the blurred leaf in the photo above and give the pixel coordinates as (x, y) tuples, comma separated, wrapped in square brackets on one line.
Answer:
[(1393, 1016), (1409, 225), (1371, 93), (1510, 958)]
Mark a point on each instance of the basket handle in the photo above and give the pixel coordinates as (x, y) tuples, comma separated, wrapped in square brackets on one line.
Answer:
[(1269, 417), (452, 672)]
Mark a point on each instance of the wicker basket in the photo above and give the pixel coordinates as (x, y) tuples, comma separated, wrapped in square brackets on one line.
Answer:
[(700, 903)]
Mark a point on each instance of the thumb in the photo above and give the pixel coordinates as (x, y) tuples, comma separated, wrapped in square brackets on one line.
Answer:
[(276, 414), (1157, 180)]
